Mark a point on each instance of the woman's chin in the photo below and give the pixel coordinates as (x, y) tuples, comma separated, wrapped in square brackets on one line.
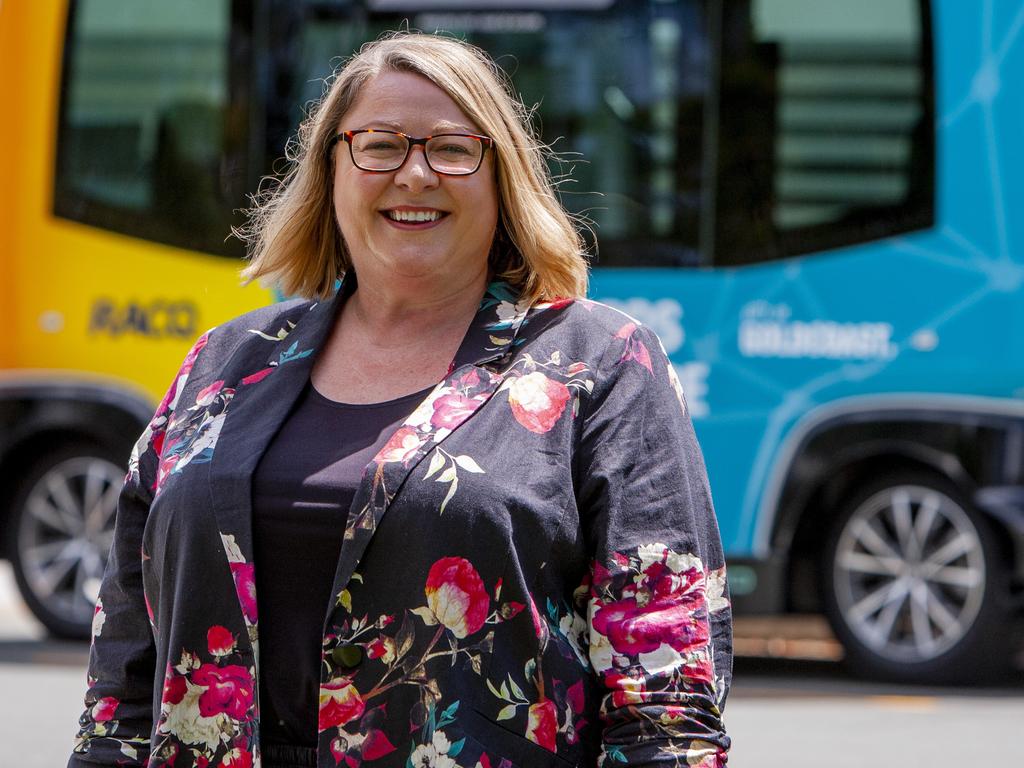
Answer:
[(429, 267)]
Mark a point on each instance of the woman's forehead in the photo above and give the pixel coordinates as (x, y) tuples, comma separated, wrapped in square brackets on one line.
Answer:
[(407, 102), (440, 126)]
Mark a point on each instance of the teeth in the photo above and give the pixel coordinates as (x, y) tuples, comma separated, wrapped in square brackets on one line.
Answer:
[(415, 215)]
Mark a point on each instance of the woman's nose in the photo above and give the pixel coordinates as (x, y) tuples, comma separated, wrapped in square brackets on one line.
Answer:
[(416, 173)]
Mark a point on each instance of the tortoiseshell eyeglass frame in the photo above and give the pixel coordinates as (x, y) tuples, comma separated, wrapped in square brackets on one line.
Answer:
[(348, 136)]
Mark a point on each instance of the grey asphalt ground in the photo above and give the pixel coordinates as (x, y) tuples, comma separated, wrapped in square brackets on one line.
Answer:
[(782, 712)]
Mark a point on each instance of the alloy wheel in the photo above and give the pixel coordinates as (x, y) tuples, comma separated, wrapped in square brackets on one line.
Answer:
[(909, 573), (65, 532)]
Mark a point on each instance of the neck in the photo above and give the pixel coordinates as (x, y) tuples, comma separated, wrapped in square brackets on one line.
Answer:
[(396, 312)]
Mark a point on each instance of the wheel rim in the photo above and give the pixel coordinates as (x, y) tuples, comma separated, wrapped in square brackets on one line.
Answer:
[(65, 533), (909, 573)]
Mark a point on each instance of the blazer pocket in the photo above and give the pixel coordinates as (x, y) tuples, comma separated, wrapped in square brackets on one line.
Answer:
[(499, 742)]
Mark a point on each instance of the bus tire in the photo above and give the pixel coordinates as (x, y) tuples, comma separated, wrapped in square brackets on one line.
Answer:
[(63, 519), (915, 583)]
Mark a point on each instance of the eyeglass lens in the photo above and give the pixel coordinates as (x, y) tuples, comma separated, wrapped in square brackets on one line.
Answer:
[(451, 154)]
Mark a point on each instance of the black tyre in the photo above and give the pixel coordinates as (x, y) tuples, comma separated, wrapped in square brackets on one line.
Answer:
[(913, 583), (63, 520)]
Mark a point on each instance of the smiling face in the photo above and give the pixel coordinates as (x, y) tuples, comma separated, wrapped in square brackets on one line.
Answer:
[(413, 223)]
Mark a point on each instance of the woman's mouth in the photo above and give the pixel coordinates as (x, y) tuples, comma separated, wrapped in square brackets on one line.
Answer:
[(414, 218)]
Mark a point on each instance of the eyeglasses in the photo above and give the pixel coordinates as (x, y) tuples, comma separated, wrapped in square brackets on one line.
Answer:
[(452, 154)]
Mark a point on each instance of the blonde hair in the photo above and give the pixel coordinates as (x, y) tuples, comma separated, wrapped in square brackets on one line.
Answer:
[(292, 233)]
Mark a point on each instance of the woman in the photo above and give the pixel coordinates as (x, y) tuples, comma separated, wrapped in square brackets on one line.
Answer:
[(530, 572)]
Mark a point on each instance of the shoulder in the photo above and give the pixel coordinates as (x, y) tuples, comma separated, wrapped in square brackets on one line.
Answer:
[(591, 324), (618, 350), (270, 321), (209, 357), (264, 319)]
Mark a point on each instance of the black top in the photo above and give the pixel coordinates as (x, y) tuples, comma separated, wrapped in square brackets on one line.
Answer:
[(301, 493)]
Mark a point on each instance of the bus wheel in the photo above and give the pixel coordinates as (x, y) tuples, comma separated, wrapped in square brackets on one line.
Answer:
[(914, 578), (64, 523)]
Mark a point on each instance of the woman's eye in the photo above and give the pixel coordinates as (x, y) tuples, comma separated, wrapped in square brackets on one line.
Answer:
[(453, 149), (382, 146)]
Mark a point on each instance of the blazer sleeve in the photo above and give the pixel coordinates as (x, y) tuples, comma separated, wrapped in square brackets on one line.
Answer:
[(658, 613), (115, 727)]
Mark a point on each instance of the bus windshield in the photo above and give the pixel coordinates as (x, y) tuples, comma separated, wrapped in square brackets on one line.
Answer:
[(619, 89)]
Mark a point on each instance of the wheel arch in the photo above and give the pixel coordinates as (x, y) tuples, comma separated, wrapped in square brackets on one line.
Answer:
[(40, 413), (969, 442)]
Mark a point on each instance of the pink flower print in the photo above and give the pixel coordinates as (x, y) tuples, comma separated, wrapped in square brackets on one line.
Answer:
[(376, 745), (381, 648), (626, 689), (245, 585), (699, 668), (664, 583), (451, 410), (340, 703), (537, 401), (540, 628), (157, 444), (253, 378), (220, 641), (401, 446), (338, 749), (228, 690), (207, 395), (602, 575), (542, 724), (164, 468), (635, 350), (625, 331), (237, 758), (633, 628), (104, 709), (468, 380), (456, 595), (575, 696), (174, 687)]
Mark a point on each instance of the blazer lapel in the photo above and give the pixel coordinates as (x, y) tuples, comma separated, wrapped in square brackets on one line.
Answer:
[(269, 377), (475, 374), (268, 381)]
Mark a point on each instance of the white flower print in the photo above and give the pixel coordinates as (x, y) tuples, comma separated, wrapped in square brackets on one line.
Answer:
[(232, 549), (433, 755), (183, 720), (717, 601), (98, 618)]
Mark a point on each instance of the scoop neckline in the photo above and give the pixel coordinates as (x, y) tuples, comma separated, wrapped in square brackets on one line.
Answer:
[(322, 398)]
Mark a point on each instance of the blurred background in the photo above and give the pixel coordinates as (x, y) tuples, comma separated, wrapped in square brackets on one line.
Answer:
[(815, 203)]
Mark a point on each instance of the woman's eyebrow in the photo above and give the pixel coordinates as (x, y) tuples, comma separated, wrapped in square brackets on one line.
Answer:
[(443, 126), (378, 124)]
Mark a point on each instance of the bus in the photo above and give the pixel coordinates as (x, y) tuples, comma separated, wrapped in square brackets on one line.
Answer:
[(810, 201)]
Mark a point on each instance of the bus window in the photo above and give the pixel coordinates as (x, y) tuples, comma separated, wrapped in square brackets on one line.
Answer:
[(143, 147), (619, 86), (825, 127)]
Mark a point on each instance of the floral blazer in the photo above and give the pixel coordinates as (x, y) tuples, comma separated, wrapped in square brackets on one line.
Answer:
[(531, 574)]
